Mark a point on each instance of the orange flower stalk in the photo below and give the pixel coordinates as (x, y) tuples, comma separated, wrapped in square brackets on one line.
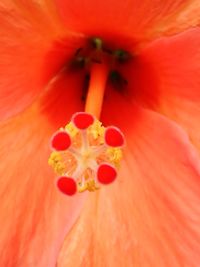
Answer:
[(147, 85)]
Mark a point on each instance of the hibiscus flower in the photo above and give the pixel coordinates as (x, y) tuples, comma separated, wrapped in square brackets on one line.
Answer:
[(150, 215)]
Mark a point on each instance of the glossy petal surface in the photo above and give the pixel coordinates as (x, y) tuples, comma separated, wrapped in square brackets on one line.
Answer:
[(33, 49), (173, 67), (132, 18), (35, 216)]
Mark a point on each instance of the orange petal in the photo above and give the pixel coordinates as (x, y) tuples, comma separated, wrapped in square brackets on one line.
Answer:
[(188, 17), (32, 50), (173, 67), (151, 215), (130, 18), (35, 216)]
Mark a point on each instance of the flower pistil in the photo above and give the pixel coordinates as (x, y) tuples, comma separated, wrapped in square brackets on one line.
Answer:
[(86, 154)]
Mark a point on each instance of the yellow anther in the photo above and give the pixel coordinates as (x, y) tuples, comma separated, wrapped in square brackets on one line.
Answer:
[(87, 174), (55, 161), (71, 129), (59, 168), (89, 185), (114, 155), (51, 161), (82, 188), (55, 156), (97, 130)]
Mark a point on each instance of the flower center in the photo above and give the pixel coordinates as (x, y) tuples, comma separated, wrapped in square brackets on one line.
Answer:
[(96, 52), (86, 154)]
